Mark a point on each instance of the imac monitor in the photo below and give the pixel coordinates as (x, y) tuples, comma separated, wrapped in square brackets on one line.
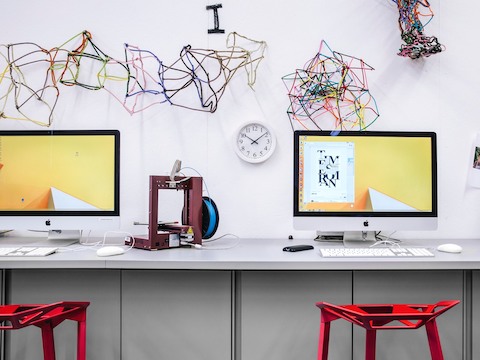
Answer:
[(364, 181), (59, 180)]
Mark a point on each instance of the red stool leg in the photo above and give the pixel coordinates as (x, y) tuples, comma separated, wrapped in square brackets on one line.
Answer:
[(81, 340), (48, 342), (370, 344), (323, 340), (434, 340)]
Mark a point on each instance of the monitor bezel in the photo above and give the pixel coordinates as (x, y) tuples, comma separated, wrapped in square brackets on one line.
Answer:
[(364, 215), (47, 214)]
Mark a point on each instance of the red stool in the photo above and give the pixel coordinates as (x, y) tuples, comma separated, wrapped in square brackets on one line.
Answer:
[(379, 317), (47, 317)]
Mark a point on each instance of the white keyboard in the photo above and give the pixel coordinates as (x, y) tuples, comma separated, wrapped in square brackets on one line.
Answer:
[(27, 251), (375, 252)]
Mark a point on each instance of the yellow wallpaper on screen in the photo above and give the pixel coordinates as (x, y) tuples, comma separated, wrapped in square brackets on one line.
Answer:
[(80, 166), (397, 167)]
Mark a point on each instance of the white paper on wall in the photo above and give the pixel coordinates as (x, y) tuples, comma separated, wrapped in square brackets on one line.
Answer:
[(474, 170)]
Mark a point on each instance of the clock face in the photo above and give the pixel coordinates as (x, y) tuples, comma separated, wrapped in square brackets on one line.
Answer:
[(255, 142)]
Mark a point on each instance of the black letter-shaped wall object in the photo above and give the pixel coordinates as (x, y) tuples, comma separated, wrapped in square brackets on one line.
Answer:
[(216, 29)]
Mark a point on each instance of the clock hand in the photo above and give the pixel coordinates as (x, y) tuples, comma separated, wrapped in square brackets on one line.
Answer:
[(259, 138), (253, 141)]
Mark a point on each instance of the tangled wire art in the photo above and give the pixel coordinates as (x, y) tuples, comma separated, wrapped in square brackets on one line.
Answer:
[(30, 75), (331, 93), (417, 44)]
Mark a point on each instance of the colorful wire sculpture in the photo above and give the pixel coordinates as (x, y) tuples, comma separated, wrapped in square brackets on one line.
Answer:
[(37, 94), (202, 73), (331, 93), (196, 81), (417, 44)]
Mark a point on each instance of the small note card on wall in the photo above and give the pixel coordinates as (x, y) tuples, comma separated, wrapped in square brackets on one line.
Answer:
[(474, 170)]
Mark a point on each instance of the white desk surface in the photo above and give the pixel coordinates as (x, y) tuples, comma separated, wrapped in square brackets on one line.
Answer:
[(249, 254)]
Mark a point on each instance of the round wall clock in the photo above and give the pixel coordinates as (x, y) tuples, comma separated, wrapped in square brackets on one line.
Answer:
[(254, 142)]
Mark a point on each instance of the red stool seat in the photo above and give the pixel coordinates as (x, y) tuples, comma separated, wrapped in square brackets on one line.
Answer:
[(373, 317), (47, 317)]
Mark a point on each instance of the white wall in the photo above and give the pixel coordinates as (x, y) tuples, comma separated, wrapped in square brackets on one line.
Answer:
[(439, 93)]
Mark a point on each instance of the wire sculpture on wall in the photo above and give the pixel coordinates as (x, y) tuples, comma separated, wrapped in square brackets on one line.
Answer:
[(330, 93), (87, 66), (31, 95), (201, 73), (30, 75), (417, 44)]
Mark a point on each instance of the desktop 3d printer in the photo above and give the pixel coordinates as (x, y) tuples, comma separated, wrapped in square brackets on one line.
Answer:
[(169, 235)]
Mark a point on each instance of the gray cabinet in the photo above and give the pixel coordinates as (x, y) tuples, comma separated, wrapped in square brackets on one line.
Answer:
[(412, 287), (475, 313), (41, 286), (278, 318), (172, 315), (239, 314)]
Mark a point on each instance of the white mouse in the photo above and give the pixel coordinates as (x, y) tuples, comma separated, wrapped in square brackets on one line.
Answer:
[(450, 248), (110, 250)]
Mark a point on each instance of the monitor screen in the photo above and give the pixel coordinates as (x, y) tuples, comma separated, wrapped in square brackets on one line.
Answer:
[(365, 180), (59, 179)]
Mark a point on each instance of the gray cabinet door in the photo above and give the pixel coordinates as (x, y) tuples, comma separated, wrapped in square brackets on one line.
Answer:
[(42, 286), (278, 319), (411, 287), (172, 315)]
